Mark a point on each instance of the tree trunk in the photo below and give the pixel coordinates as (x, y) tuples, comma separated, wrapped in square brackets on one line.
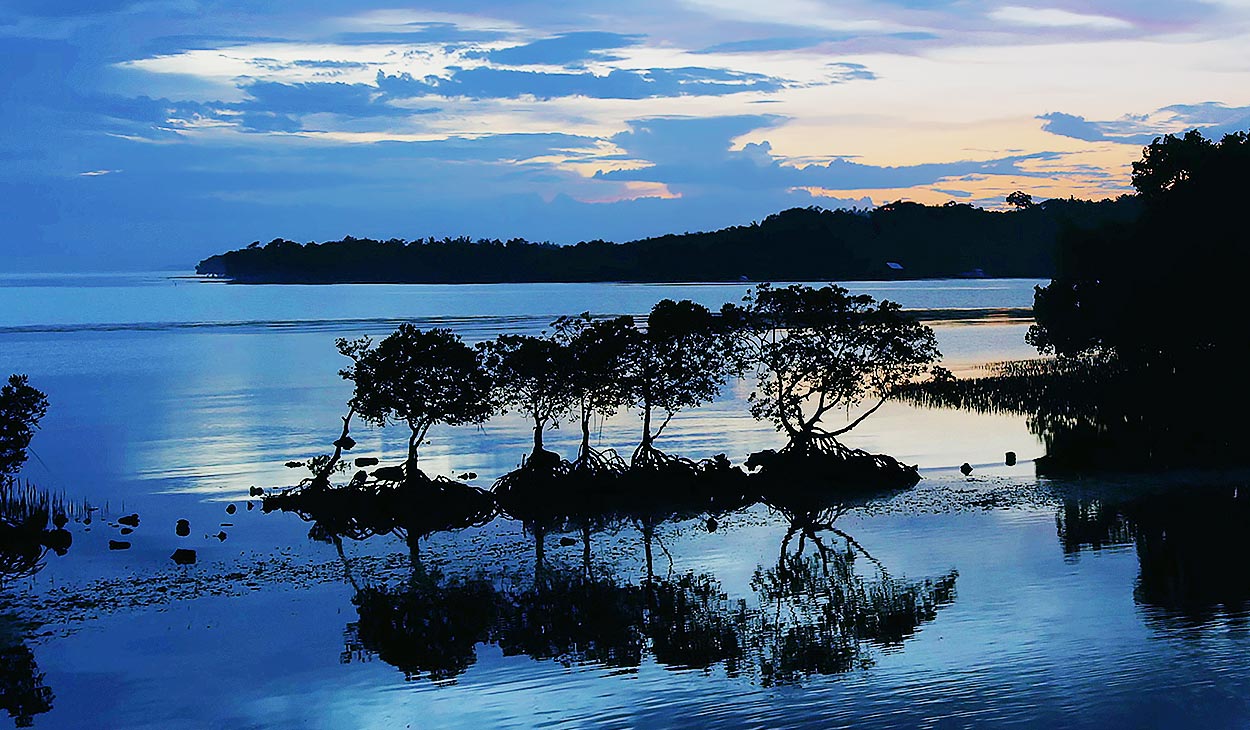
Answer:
[(538, 436), (646, 427), (585, 448)]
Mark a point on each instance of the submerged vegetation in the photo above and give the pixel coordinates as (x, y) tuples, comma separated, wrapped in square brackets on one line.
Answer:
[(897, 240)]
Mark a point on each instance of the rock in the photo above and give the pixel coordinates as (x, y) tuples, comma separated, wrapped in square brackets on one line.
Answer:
[(182, 528), (389, 473), (567, 541), (118, 545), (221, 536), (255, 491), (250, 506), (183, 556), (294, 464), (712, 524), (366, 461), (1011, 458), (129, 520), (58, 540), (473, 475), (231, 509), (126, 530), (965, 468)]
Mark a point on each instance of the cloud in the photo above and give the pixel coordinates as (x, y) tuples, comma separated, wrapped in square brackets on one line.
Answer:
[(494, 83), (1056, 18), (1213, 118), (699, 153), (566, 49), (97, 173)]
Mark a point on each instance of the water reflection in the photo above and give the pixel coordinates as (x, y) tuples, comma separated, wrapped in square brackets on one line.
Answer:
[(1100, 416), (1192, 548), (817, 611), (32, 523)]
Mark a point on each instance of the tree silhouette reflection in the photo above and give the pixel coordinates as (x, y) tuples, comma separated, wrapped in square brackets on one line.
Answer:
[(1191, 548)]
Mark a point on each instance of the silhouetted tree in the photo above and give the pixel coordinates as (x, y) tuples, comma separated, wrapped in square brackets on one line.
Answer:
[(1020, 200), (533, 375), (600, 351), (1163, 289), (419, 378), (820, 350), (679, 362), (21, 409)]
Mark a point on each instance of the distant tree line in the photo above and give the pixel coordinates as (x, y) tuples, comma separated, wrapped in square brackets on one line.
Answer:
[(899, 240)]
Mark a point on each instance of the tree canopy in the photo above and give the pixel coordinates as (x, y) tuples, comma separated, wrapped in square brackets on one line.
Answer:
[(21, 408), (1166, 286), (419, 378), (819, 350), (680, 361), (533, 375), (599, 350)]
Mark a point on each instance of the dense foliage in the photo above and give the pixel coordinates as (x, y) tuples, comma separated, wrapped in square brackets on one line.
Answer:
[(815, 351), (800, 244), (419, 378), (1165, 287), (21, 408)]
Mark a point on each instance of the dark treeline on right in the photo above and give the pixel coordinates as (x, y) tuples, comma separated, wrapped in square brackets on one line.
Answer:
[(1146, 323), (800, 244)]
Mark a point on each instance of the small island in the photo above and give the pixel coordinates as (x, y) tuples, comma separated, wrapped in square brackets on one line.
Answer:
[(899, 240)]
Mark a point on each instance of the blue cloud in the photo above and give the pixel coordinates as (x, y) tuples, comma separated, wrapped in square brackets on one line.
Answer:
[(758, 45), (566, 49), (696, 153), (1213, 118), (493, 83)]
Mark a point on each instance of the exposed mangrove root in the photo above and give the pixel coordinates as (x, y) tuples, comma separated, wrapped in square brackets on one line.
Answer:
[(820, 462), (413, 506)]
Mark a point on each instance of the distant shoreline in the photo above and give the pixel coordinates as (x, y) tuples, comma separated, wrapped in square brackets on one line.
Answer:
[(895, 242)]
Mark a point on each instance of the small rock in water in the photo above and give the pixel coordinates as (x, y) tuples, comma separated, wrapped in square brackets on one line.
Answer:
[(231, 509), (567, 541), (182, 528), (294, 464), (965, 468), (129, 520), (183, 556), (366, 461), (712, 524), (254, 491), (118, 545), (250, 506), (221, 536), (1011, 458), (126, 530)]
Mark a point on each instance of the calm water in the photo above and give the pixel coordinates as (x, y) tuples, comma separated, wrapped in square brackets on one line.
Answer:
[(994, 600)]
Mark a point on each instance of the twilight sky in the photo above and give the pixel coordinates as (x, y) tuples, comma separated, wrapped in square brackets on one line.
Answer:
[(150, 134)]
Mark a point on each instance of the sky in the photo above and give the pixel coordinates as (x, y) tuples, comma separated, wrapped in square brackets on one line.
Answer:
[(151, 134)]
